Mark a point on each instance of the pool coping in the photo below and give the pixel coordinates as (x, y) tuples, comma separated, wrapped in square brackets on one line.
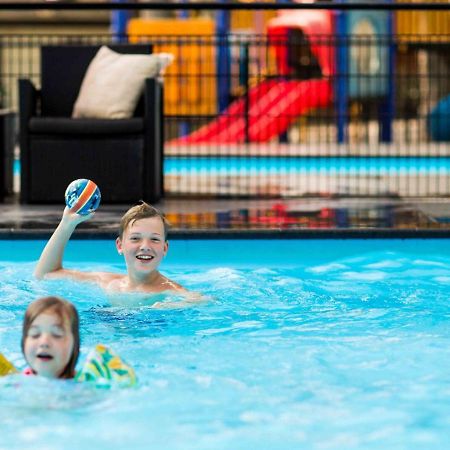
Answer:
[(226, 234)]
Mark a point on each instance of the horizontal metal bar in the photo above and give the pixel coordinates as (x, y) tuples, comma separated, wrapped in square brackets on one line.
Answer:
[(223, 6)]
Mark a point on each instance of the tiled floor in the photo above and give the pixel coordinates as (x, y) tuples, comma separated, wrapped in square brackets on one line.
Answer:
[(305, 216)]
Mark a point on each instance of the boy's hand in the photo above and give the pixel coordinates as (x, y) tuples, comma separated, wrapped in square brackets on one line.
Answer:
[(74, 218)]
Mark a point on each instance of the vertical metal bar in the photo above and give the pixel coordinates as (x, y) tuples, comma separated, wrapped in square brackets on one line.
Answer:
[(388, 106), (245, 80), (223, 57), (119, 22), (341, 84)]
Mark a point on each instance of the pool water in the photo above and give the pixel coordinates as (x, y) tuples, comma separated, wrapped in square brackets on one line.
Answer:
[(315, 344), (293, 177), (301, 165)]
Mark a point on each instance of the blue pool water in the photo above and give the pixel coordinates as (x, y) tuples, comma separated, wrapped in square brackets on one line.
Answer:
[(314, 344), (327, 165)]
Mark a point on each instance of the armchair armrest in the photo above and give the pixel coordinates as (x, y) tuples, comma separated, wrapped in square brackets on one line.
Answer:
[(28, 99), (154, 138), (152, 96)]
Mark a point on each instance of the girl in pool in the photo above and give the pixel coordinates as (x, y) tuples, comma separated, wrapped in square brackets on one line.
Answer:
[(51, 338), (51, 345)]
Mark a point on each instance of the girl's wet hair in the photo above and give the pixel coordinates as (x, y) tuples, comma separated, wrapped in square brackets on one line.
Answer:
[(65, 311), (142, 211)]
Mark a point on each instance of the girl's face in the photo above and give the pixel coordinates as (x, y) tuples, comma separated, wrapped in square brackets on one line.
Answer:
[(48, 344)]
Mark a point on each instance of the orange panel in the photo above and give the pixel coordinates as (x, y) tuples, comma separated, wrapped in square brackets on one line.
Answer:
[(423, 25), (190, 81)]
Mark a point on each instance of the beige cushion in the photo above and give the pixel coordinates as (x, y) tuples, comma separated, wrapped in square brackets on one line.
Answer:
[(114, 82)]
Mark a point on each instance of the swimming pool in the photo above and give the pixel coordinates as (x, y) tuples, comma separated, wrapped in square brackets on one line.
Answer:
[(297, 165), (315, 344), (299, 176), (301, 165)]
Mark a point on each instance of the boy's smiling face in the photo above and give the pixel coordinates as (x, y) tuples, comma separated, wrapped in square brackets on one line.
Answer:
[(48, 345), (143, 245)]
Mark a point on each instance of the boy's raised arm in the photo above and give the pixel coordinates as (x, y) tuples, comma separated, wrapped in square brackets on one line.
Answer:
[(50, 261)]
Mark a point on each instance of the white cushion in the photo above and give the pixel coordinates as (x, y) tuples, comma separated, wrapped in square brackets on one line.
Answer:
[(114, 82)]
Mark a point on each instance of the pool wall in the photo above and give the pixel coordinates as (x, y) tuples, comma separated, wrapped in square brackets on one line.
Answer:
[(236, 252)]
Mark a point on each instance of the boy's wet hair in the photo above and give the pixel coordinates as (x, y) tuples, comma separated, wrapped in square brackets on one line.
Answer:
[(142, 211), (65, 311)]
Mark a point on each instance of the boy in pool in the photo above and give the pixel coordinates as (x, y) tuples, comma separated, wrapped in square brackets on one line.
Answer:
[(143, 243)]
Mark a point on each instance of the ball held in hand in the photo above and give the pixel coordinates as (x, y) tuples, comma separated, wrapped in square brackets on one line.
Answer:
[(82, 196)]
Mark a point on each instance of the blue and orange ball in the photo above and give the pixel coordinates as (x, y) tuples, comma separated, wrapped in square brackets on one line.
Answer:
[(82, 196)]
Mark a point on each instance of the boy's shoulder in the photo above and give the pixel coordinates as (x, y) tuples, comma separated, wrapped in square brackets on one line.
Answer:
[(111, 280), (167, 284), (120, 283)]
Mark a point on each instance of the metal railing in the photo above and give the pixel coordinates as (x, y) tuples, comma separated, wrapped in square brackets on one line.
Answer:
[(292, 114)]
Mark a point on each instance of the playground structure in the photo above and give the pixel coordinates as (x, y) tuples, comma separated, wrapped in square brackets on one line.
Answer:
[(270, 107), (348, 72), (355, 54), (362, 83)]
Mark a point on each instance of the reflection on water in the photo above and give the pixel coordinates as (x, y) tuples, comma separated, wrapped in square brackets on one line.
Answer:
[(281, 216), (21, 393)]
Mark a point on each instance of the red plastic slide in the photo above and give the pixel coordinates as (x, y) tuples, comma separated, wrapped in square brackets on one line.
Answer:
[(273, 106)]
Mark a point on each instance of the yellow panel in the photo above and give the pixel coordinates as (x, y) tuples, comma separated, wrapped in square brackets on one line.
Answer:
[(423, 25), (251, 20), (251, 23), (190, 81)]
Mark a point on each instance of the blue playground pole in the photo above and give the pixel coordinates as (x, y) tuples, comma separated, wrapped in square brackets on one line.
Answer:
[(119, 21), (183, 126), (388, 107), (341, 81), (184, 13), (283, 137), (223, 58)]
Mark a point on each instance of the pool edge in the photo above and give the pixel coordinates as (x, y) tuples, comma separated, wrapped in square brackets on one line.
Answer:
[(342, 233)]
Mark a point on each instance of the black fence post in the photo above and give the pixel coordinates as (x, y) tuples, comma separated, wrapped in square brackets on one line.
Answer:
[(245, 81)]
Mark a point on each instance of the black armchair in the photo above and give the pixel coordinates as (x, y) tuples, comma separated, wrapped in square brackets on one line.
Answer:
[(123, 156)]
